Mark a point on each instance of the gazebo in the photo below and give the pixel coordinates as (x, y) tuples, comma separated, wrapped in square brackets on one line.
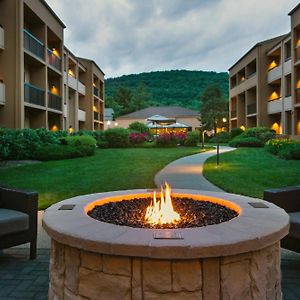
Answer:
[(158, 124)]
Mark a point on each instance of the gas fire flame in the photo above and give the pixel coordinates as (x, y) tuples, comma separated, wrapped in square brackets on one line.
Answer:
[(161, 211)]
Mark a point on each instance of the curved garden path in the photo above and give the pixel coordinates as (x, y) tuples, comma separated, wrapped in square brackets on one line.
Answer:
[(186, 172)]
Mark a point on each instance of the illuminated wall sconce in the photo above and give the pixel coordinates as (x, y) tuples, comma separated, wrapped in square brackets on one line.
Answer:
[(276, 127), (116, 124), (274, 96), (243, 127), (55, 52), (273, 65), (298, 43), (298, 84), (70, 130), (95, 109), (242, 78), (54, 128), (71, 73), (54, 90), (94, 84)]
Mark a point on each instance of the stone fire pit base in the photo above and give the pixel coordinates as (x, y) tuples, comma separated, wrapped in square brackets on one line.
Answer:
[(79, 274)]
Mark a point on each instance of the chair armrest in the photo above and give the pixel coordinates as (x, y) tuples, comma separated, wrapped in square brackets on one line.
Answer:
[(20, 200), (287, 198)]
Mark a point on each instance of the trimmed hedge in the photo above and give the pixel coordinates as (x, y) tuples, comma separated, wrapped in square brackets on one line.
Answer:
[(262, 133), (284, 148), (290, 151), (235, 132), (240, 141), (57, 152), (79, 140), (117, 137)]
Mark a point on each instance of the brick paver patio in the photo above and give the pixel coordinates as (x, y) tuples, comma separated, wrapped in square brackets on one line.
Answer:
[(21, 278)]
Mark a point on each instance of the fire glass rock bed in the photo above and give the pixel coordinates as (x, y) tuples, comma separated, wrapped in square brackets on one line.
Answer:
[(236, 259)]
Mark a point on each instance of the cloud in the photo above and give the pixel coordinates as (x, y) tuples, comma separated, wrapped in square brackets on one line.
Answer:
[(133, 36)]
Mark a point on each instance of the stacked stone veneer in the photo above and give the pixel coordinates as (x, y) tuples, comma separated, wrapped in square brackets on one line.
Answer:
[(78, 274)]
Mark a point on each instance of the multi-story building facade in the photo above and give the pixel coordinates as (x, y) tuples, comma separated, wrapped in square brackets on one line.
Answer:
[(264, 84), (42, 84)]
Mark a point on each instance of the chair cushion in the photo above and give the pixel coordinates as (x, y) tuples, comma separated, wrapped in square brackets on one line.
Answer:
[(295, 224), (12, 221)]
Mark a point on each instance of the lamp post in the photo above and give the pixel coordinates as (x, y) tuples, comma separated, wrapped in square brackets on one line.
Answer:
[(224, 120)]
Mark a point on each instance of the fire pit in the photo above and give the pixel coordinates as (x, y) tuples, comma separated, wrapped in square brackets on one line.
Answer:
[(133, 245)]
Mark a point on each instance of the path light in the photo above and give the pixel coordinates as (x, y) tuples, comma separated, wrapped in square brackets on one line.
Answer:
[(224, 120)]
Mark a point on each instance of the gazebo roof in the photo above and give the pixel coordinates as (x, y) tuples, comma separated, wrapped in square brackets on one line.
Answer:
[(161, 119)]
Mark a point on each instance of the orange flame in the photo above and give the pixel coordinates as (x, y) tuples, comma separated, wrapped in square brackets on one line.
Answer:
[(162, 211)]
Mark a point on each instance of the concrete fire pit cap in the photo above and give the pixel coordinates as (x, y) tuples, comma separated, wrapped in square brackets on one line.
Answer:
[(259, 225)]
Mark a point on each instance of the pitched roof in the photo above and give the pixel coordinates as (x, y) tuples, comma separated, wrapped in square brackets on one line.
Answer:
[(167, 111)]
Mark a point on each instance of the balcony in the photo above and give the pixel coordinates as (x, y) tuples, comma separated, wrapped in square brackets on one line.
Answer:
[(96, 116), (2, 93), (2, 46), (101, 118), (54, 101), (34, 95), (274, 74), (54, 60), (287, 67), (287, 103), (81, 115), (275, 106), (72, 81), (251, 109), (81, 88), (96, 92), (33, 45), (233, 114)]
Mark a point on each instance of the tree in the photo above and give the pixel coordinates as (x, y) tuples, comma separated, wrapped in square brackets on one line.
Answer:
[(111, 103), (214, 107), (123, 98), (140, 98)]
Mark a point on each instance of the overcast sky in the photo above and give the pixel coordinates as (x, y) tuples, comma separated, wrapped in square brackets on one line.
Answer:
[(134, 36)]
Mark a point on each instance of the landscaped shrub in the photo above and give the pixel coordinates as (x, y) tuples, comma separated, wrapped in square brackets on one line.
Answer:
[(79, 140), (56, 152), (241, 141), (276, 145), (192, 139), (18, 144), (235, 132), (48, 137), (138, 137), (139, 127), (262, 133), (117, 137), (223, 138), (166, 140), (290, 151)]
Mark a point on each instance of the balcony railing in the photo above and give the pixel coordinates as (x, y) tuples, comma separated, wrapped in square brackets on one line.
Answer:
[(233, 114), (96, 116), (96, 92), (54, 60), (34, 95), (33, 45), (101, 118), (54, 101), (251, 109)]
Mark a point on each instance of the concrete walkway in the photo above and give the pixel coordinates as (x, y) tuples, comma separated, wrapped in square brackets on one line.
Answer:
[(186, 172)]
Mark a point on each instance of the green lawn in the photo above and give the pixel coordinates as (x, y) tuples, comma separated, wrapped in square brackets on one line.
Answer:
[(108, 170), (249, 171)]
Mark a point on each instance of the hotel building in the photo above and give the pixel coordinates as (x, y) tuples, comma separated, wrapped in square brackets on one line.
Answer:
[(265, 84), (42, 84)]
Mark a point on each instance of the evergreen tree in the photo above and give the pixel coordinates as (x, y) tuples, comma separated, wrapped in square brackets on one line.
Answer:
[(214, 107), (123, 97), (140, 98)]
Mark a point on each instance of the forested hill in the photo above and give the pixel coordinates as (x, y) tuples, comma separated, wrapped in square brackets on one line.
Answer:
[(177, 87)]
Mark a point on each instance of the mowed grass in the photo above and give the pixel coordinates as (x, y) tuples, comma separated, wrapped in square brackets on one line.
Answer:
[(249, 171), (108, 170)]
